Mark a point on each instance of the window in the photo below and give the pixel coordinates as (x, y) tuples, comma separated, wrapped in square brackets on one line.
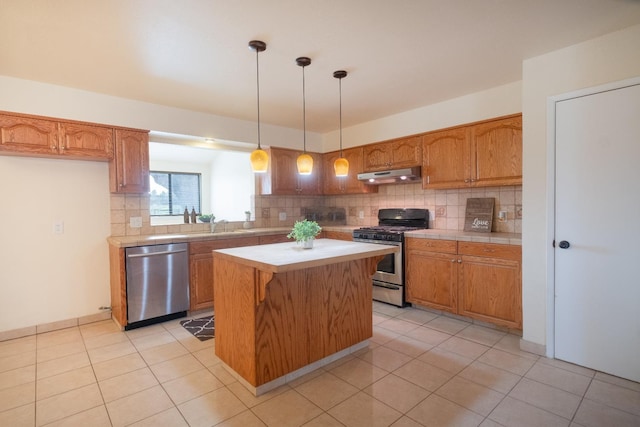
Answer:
[(171, 192)]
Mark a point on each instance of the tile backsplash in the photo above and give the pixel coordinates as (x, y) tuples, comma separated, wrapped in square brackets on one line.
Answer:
[(446, 208)]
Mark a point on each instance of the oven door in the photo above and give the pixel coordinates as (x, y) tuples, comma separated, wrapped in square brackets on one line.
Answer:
[(389, 269)]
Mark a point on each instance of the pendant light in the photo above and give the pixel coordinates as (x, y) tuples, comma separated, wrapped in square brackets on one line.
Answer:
[(341, 165), (259, 158), (305, 161)]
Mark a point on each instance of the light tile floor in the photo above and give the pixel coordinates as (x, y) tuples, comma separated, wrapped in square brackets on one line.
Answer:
[(420, 369)]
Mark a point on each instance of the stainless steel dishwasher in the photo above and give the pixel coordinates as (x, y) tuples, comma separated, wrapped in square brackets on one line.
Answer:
[(157, 283)]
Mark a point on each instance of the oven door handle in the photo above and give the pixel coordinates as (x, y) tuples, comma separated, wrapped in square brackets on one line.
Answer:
[(386, 285)]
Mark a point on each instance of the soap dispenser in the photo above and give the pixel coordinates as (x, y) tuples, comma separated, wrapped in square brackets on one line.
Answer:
[(186, 215), (193, 215)]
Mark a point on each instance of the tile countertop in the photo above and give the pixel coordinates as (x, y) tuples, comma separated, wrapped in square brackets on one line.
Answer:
[(468, 236), (159, 239)]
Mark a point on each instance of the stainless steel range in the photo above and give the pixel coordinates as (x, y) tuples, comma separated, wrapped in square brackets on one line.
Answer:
[(388, 281)]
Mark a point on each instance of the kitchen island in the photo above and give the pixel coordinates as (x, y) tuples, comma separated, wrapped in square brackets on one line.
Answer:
[(282, 311)]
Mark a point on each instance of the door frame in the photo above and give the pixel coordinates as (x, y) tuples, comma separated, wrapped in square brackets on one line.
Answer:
[(551, 194)]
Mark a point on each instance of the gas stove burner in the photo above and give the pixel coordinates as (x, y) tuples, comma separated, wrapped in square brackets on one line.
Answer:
[(389, 228)]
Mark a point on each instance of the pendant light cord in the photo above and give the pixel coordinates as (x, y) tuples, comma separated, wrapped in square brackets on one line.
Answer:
[(258, 91), (340, 86), (304, 116)]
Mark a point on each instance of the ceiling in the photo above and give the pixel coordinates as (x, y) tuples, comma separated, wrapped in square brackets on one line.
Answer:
[(193, 54)]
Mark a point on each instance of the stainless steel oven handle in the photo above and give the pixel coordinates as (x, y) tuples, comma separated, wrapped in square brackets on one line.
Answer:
[(154, 254), (385, 285)]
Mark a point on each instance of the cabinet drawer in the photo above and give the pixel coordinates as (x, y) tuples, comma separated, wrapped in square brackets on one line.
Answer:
[(493, 250), (431, 245), (206, 246), (274, 238)]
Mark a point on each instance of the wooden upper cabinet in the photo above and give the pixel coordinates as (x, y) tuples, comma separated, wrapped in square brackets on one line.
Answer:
[(497, 149), (28, 135), (399, 153), (39, 136), (282, 177), (347, 184), (446, 159), (86, 141), (129, 169), (480, 155)]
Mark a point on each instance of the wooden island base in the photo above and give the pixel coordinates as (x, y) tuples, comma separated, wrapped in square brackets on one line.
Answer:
[(272, 327)]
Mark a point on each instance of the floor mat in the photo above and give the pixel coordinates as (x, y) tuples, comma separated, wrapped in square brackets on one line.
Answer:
[(202, 328)]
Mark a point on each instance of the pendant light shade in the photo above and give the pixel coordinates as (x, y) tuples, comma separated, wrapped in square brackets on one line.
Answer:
[(305, 161), (341, 165), (259, 158)]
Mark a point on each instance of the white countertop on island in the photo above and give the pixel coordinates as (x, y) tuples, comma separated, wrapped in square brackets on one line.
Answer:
[(289, 256)]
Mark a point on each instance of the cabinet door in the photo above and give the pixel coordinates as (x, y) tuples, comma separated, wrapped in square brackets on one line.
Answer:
[(489, 289), (284, 171), (446, 161), (378, 156), (345, 184), (85, 141), (406, 152), (129, 169), (431, 279), (496, 149), (201, 272), (201, 268), (310, 184), (331, 183), (28, 136)]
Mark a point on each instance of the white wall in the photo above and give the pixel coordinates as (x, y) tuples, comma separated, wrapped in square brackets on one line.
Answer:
[(232, 187), (606, 59), (494, 102), (29, 97), (47, 277)]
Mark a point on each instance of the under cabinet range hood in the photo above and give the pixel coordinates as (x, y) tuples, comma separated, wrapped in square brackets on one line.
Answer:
[(393, 176)]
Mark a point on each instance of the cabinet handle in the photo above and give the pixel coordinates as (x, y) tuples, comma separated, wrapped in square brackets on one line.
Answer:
[(466, 180), (459, 261), (488, 250), (453, 260)]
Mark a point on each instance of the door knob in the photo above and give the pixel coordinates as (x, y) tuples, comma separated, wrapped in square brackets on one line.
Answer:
[(564, 244)]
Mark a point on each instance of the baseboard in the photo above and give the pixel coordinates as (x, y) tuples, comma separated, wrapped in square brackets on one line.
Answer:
[(54, 326), (532, 347)]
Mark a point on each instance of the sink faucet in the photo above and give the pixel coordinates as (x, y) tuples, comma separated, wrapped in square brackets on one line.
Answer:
[(224, 223)]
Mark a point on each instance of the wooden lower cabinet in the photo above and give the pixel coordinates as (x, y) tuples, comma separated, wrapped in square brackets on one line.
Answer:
[(201, 268), (478, 280), (338, 235), (274, 238)]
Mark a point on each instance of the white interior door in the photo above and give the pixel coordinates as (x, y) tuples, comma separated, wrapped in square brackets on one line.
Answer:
[(597, 278)]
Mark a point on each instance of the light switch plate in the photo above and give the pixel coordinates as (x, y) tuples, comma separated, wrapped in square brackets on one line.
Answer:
[(58, 227), (282, 216)]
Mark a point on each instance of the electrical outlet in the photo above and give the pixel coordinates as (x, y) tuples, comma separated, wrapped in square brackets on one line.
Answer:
[(135, 222), (58, 227), (502, 216), (282, 216), (361, 214)]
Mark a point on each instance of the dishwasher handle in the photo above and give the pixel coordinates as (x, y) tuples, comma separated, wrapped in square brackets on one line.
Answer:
[(155, 253)]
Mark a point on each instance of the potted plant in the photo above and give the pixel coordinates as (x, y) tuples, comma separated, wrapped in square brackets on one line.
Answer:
[(305, 232), (207, 218)]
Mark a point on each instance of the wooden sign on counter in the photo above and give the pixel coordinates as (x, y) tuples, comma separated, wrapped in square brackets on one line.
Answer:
[(479, 214)]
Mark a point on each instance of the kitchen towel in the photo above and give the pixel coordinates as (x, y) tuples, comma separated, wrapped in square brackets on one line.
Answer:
[(202, 328)]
